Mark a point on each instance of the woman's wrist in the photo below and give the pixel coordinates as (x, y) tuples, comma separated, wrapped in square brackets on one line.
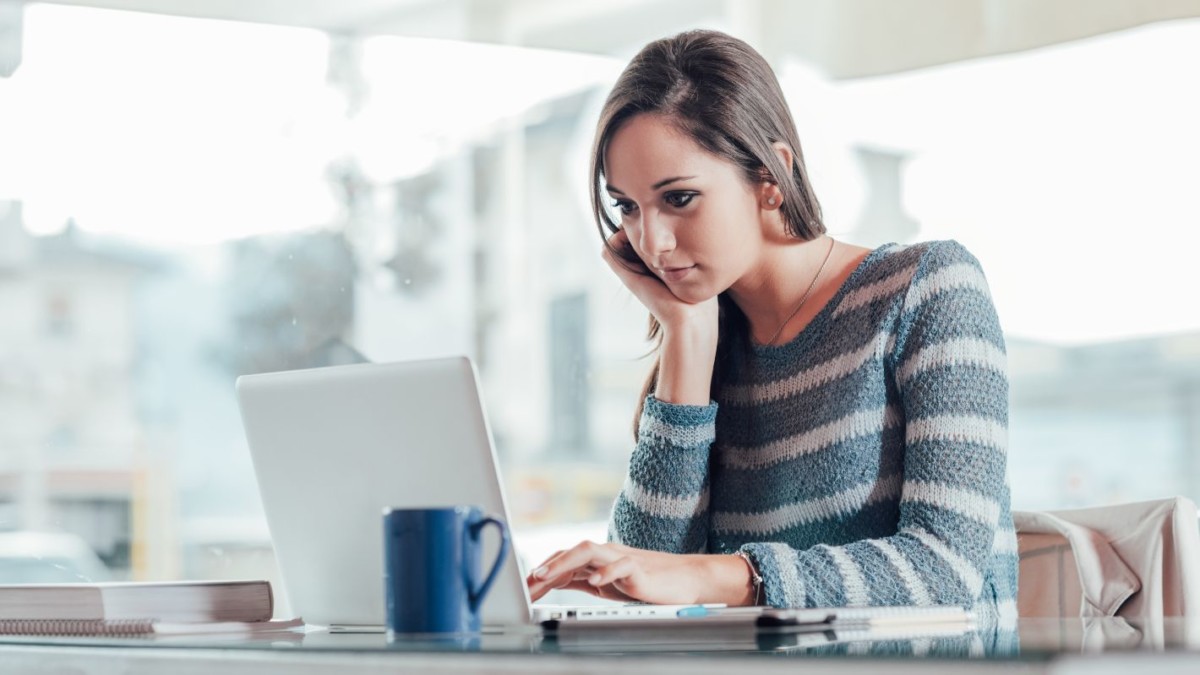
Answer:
[(727, 579), (756, 579)]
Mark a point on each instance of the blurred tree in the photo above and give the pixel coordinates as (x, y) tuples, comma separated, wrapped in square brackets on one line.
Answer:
[(291, 301)]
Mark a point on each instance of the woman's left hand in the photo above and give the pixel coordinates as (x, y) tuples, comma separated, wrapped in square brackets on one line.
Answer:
[(619, 572)]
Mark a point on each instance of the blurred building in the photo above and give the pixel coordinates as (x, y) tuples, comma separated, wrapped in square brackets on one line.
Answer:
[(73, 457)]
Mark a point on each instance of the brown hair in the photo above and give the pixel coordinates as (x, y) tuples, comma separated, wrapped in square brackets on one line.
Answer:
[(723, 95)]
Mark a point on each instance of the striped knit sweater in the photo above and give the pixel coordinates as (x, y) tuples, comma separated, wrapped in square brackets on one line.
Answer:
[(863, 463)]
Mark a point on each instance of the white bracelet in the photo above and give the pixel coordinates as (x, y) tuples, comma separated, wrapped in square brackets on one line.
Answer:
[(755, 578)]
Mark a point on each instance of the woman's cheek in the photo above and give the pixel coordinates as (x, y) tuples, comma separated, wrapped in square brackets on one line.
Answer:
[(634, 235)]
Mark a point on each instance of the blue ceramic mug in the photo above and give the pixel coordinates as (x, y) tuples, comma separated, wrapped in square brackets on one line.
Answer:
[(431, 568)]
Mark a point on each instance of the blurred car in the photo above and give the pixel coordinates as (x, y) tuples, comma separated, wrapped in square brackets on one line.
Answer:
[(48, 558)]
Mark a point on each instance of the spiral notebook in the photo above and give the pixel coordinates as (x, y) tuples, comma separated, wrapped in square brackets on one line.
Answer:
[(138, 627)]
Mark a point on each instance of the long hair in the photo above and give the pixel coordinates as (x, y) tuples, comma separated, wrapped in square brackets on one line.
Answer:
[(722, 94)]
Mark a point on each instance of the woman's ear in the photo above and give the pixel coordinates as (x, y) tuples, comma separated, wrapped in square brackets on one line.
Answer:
[(771, 196)]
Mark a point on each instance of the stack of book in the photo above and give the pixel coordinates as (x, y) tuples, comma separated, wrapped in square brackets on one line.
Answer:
[(136, 608)]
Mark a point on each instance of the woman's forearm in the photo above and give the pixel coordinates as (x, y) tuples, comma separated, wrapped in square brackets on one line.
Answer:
[(686, 363)]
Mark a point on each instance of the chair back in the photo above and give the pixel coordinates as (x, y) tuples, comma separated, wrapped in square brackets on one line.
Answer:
[(1135, 560)]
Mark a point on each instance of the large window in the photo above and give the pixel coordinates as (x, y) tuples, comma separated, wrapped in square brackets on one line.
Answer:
[(173, 215)]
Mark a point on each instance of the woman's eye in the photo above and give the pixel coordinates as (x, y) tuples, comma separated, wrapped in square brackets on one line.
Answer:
[(679, 199), (624, 206)]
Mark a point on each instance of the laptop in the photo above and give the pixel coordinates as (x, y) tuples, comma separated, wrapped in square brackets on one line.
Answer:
[(332, 447)]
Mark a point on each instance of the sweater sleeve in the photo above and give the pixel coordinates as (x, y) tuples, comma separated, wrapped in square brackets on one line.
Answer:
[(949, 371), (663, 505)]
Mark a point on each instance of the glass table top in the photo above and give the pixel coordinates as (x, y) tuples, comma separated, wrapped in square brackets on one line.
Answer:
[(1026, 639)]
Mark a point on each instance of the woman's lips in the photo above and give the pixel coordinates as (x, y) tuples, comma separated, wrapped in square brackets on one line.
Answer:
[(676, 273)]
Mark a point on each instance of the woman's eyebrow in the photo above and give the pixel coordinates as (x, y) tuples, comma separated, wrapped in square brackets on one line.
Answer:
[(668, 181), (662, 183)]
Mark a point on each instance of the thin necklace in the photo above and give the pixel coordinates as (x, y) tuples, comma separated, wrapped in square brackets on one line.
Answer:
[(832, 243)]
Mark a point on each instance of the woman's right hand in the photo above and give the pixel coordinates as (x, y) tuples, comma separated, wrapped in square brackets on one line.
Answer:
[(689, 330), (671, 312)]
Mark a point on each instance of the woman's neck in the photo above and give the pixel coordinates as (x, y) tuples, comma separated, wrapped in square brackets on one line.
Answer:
[(770, 294)]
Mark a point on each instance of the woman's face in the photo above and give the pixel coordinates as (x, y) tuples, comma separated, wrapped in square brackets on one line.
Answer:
[(690, 215)]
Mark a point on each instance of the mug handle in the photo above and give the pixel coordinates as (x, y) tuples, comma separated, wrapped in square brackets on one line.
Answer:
[(476, 595)]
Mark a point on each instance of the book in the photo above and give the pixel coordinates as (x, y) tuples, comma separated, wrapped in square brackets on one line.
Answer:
[(161, 602), (141, 628)]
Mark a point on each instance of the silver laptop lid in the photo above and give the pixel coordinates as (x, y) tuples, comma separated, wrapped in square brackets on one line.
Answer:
[(332, 447)]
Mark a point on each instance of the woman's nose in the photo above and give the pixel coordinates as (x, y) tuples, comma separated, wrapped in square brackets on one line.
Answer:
[(657, 237)]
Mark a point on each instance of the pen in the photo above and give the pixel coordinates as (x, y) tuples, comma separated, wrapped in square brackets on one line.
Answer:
[(724, 611)]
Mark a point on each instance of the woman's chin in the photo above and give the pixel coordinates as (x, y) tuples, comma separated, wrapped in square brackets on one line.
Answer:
[(693, 295)]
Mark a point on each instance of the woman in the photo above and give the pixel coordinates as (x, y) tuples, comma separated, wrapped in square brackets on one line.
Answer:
[(825, 424)]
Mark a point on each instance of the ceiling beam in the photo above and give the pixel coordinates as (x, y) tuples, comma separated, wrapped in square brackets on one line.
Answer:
[(845, 39)]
